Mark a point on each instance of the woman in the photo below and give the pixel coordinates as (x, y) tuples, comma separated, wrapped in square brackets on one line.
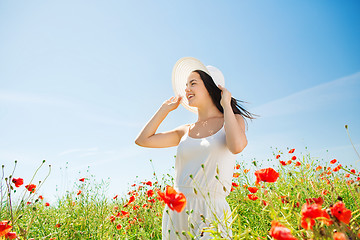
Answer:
[(206, 150)]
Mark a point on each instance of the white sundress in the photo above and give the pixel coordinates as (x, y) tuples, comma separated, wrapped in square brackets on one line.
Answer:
[(207, 165)]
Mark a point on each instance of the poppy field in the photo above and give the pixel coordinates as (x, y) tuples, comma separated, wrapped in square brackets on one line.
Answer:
[(298, 197)]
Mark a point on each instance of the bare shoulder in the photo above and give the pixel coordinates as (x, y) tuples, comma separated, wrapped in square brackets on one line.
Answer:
[(181, 130)]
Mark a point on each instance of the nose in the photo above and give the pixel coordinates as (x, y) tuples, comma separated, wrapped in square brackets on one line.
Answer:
[(187, 89)]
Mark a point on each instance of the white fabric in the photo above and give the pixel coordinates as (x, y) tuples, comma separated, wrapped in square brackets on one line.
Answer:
[(209, 201)]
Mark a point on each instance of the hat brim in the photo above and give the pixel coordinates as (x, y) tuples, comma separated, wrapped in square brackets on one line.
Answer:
[(181, 71)]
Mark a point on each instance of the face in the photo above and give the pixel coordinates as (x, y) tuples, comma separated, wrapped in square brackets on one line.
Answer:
[(196, 89)]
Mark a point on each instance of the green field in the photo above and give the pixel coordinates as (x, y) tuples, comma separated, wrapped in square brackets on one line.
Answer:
[(87, 213)]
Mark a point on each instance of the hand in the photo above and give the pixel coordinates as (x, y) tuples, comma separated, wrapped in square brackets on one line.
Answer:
[(172, 103), (225, 96)]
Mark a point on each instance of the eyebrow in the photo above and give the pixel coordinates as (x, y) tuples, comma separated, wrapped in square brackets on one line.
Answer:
[(191, 81)]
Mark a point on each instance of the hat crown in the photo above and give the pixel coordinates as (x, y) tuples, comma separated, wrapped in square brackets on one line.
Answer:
[(216, 75)]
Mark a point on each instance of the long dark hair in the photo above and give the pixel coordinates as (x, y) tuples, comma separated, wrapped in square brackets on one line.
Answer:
[(215, 94)]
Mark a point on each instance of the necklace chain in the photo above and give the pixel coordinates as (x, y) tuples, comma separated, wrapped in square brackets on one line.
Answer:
[(207, 119)]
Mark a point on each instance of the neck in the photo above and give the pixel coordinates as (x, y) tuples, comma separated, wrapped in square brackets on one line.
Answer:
[(207, 113)]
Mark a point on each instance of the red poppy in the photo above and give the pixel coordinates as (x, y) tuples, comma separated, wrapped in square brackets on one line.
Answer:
[(280, 232), (246, 171), (237, 166), (118, 227), (57, 225), (340, 212), (297, 163), (234, 184), (136, 207), (148, 183), (277, 156), (324, 192), (310, 212), (283, 163), (333, 161), (348, 182), (339, 236), (4, 227), (288, 162), (265, 203), (119, 215), (235, 175), (132, 199), (115, 197), (47, 204), (347, 175), (284, 199), (82, 179), (175, 200), (253, 197), (266, 175), (41, 197), (297, 204), (293, 158), (337, 168), (353, 171), (31, 187), (292, 150), (11, 235), (318, 200), (124, 214), (150, 193), (253, 189), (318, 168), (18, 181), (79, 192), (112, 218)]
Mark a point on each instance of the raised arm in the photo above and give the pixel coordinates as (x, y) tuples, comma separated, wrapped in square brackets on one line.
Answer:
[(147, 136)]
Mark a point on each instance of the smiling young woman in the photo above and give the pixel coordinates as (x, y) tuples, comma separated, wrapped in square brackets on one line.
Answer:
[(206, 149)]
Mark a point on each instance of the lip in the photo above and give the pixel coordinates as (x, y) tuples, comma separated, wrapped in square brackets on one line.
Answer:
[(187, 96)]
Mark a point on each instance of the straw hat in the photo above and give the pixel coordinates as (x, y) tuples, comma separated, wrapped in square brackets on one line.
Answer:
[(181, 71)]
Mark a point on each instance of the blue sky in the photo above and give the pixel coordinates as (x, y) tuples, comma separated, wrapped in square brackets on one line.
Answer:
[(80, 79)]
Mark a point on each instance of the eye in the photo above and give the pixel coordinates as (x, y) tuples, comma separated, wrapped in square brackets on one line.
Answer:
[(192, 84)]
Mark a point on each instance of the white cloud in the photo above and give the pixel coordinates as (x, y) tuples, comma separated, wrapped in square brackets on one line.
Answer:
[(16, 97), (312, 98), (115, 157), (69, 104)]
